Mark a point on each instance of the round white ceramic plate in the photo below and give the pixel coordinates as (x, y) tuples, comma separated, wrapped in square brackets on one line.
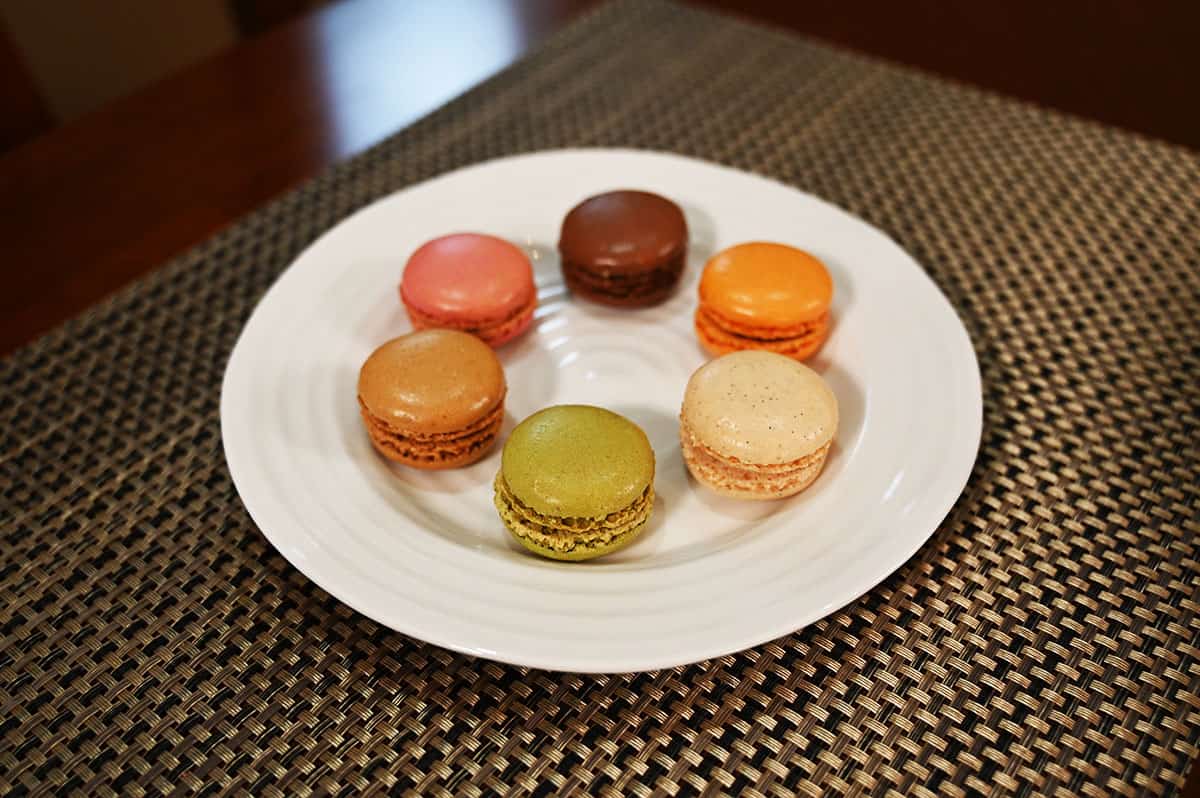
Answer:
[(425, 553)]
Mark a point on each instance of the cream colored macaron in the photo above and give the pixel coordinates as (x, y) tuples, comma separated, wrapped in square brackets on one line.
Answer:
[(757, 425)]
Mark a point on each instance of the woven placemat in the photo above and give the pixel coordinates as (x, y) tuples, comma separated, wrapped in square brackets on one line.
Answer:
[(1045, 640)]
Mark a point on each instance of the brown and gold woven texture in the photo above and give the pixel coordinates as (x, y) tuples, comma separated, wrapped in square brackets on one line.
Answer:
[(1046, 640)]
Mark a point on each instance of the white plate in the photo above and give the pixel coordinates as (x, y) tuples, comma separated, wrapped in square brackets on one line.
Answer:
[(425, 554)]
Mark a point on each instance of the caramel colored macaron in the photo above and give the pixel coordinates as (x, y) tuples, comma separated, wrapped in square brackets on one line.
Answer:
[(764, 296), (432, 399), (757, 425), (624, 248)]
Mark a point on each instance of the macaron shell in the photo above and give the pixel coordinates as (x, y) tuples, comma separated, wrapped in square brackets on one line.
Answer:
[(759, 408), (468, 278), (624, 290), (766, 285), (431, 382), (623, 231), (577, 461)]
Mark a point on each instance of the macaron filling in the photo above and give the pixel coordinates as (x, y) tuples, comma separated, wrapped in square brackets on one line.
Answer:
[(603, 283), (493, 333), (434, 449), (730, 475), (571, 538), (760, 330), (721, 335)]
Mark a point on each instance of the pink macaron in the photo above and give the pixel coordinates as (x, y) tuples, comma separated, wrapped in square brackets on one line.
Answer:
[(476, 283)]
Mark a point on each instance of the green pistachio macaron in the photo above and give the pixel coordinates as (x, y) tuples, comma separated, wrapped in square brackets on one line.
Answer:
[(575, 482)]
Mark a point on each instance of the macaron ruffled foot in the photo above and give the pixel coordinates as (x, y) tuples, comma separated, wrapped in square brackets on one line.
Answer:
[(572, 539)]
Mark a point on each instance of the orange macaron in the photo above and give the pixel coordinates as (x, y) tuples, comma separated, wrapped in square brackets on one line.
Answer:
[(764, 296)]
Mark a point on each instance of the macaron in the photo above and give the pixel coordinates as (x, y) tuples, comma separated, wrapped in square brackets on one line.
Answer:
[(575, 482), (764, 296), (623, 248), (432, 399), (476, 283), (756, 425)]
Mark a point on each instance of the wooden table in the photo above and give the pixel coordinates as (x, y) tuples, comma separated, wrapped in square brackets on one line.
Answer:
[(96, 203), (100, 201)]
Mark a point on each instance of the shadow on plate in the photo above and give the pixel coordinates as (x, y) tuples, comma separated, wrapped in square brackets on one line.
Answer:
[(702, 235), (852, 410)]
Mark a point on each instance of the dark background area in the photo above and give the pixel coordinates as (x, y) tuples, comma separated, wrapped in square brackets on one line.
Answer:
[(1123, 62), (129, 136), (1127, 63)]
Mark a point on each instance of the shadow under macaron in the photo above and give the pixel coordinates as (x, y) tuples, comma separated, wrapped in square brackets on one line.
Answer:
[(702, 236), (852, 411)]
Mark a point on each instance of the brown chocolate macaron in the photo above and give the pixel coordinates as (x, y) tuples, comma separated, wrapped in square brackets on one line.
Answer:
[(624, 248), (432, 399)]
